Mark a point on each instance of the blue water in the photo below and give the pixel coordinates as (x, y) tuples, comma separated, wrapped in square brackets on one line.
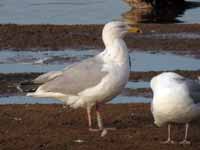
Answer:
[(135, 85), (77, 12), (60, 11), (143, 61), (12, 61)]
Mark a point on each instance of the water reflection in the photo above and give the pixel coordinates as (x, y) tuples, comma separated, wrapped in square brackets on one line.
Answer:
[(75, 3), (159, 14)]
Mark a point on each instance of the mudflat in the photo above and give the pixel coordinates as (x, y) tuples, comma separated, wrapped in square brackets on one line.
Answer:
[(171, 37), (53, 127)]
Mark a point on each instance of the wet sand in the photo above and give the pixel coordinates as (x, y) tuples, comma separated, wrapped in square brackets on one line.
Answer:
[(50, 127)]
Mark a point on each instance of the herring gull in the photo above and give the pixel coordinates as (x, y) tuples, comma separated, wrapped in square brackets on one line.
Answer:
[(175, 100), (94, 81)]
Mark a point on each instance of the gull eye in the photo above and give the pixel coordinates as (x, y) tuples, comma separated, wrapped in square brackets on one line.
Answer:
[(122, 26)]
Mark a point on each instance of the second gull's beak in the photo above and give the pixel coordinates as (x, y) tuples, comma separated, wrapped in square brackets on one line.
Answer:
[(135, 30)]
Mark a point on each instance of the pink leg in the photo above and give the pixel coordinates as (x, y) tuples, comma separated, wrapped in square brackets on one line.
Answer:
[(185, 141), (100, 122), (89, 117), (169, 141), (99, 119), (90, 120)]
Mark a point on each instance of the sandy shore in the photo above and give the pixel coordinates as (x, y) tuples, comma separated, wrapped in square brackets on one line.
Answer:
[(51, 127)]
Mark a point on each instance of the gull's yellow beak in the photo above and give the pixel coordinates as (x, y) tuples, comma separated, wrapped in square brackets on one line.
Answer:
[(135, 30)]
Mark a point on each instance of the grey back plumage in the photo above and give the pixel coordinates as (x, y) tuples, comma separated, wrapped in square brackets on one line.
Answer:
[(47, 77), (194, 90), (193, 86), (77, 78)]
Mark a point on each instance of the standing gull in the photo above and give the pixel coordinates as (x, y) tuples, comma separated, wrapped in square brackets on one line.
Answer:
[(93, 81), (175, 100)]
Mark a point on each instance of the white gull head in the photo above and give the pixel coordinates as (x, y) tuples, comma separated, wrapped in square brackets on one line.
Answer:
[(117, 30)]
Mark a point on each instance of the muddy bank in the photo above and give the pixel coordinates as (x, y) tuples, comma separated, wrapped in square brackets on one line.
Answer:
[(52, 127), (10, 82), (146, 76), (173, 37)]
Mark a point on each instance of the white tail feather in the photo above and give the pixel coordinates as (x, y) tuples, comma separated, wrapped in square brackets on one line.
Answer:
[(30, 94), (72, 101), (46, 94)]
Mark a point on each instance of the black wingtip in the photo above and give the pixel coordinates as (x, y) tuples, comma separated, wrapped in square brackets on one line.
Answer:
[(27, 86)]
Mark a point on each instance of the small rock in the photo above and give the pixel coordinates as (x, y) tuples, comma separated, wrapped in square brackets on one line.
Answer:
[(79, 141), (17, 119), (104, 132)]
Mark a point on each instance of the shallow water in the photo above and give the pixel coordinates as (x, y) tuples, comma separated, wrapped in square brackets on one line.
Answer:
[(27, 61), (144, 61), (60, 11), (10, 57), (86, 12), (30, 100), (139, 84)]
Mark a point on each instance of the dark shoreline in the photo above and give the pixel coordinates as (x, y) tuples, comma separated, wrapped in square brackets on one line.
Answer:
[(10, 81), (57, 37)]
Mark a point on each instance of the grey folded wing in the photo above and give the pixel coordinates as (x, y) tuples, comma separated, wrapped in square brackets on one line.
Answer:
[(47, 77), (50, 75), (194, 89), (77, 78)]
